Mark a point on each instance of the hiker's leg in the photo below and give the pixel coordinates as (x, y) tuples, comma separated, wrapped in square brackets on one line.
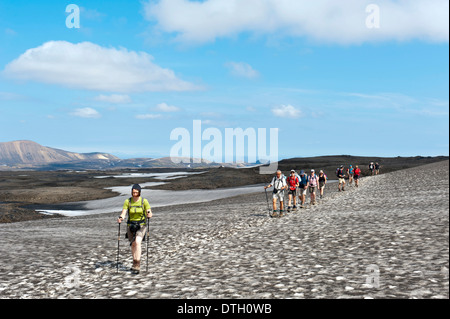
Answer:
[(274, 204), (137, 248)]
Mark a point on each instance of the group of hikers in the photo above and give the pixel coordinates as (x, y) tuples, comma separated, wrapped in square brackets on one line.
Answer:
[(139, 211), (297, 185)]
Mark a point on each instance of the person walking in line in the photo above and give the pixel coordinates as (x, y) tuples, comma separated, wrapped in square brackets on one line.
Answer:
[(377, 168), (322, 182), (350, 173), (341, 176), (138, 210), (357, 175), (372, 168), (313, 181), (302, 187), (279, 186), (292, 182)]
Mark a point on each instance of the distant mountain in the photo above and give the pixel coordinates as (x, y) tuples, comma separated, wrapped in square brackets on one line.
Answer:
[(29, 153)]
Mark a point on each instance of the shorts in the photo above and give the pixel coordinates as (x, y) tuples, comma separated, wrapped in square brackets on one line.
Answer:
[(140, 233), (356, 177), (312, 189), (341, 180), (279, 196), (301, 191), (292, 192), (321, 185)]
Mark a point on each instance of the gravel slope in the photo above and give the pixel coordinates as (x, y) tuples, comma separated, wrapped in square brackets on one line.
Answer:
[(397, 223)]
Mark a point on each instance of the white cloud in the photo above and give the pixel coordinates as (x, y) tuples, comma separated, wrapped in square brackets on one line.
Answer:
[(242, 69), (92, 67), (10, 32), (164, 107), (86, 112), (342, 22), (148, 116), (286, 111), (114, 98)]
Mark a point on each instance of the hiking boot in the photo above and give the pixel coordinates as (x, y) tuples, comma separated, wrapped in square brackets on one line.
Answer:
[(136, 267), (294, 207)]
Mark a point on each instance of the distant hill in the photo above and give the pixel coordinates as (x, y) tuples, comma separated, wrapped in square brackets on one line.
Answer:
[(29, 153)]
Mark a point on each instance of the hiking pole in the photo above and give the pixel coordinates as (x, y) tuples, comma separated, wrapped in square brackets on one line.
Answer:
[(148, 236), (118, 248), (267, 199)]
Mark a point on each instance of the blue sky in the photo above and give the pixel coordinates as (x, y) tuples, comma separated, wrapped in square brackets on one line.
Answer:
[(136, 70)]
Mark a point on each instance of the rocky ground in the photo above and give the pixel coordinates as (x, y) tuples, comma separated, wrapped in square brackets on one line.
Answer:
[(386, 239)]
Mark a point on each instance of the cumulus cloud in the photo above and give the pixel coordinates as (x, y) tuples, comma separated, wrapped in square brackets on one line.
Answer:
[(148, 116), (86, 112), (342, 22), (92, 67), (114, 98), (164, 107), (286, 111), (242, 69)]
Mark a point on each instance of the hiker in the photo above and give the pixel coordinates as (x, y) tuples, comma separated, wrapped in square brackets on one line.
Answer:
[(279, 185), (377, 168), (313, 181), (292, 182), (322, 182), (357, 175), (302, 187), (138, 210), (371, 168), (350, 173), (341, 176)]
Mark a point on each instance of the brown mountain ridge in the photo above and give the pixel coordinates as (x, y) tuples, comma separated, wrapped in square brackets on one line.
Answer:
[(19, 153)]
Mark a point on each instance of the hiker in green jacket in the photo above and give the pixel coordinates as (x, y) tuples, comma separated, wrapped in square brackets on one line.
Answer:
[(138, 210)]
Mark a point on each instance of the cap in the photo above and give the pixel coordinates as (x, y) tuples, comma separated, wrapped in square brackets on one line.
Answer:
[(292, 170)]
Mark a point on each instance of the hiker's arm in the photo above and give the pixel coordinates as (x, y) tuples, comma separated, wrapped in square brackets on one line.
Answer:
[(266, 187), (122, 216), (149, 213)]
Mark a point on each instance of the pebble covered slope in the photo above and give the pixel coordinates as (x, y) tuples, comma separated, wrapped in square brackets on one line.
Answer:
[(386, 239)]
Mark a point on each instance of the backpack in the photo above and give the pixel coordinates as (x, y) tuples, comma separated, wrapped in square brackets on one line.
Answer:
[(338, 172)]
